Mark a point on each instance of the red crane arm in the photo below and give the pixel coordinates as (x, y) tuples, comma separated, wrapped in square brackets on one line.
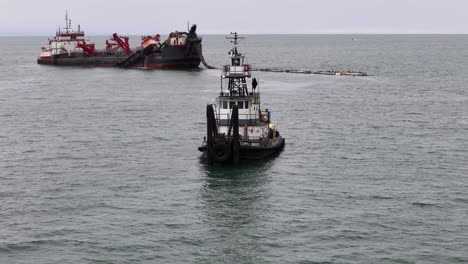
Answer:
[(121, 43)]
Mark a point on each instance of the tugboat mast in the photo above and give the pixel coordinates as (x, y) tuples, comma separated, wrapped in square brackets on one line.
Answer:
[(237, 71), (234, 41)]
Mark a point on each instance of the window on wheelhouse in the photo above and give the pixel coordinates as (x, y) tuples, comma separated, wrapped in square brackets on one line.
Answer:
[(236, 61), (231, 104), (246, 104), (240, 104), (225, 105)]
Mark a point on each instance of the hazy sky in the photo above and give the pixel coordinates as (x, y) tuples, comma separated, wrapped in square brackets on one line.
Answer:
[(34, 17)]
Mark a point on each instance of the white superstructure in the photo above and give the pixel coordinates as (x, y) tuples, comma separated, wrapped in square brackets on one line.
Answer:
[(67, 42), (254, 123)]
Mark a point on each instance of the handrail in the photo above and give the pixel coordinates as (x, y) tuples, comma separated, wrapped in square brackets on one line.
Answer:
[(252, 118)]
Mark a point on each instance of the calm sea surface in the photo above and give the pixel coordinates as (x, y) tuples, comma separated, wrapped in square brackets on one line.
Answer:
[(100, 165)]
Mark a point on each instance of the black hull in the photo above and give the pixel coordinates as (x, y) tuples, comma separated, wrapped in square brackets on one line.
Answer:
[(252, 152), (169, 57)]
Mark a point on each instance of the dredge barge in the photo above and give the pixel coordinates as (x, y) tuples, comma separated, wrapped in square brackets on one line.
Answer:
[(71, 48), (237, 127)]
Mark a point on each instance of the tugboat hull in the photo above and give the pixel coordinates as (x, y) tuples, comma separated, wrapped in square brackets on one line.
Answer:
[(247, 151)]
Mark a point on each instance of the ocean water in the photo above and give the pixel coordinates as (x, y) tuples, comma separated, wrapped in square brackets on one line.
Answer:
[(100, 165)]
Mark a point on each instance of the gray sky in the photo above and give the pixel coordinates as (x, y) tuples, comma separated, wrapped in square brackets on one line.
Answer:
[(34, 17)]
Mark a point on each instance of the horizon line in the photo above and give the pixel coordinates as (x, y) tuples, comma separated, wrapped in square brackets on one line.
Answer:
[(222, 34)]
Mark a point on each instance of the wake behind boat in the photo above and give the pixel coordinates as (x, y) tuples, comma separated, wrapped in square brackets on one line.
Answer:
[(237, 127), (71, 48)]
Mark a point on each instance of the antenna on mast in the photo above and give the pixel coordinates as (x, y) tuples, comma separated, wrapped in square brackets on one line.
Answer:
[(235, 38), (67, 22), (234, 41)]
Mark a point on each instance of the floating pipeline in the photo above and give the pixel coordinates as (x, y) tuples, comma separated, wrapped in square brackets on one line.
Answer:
[(342, 73), (336, 73), (202, 58), (299, 71)]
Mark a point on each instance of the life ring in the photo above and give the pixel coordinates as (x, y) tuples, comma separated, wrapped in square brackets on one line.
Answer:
[(246, 67), (221, 151)]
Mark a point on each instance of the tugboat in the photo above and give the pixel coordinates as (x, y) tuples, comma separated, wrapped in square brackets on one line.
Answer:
[(237, 127), (70, 48)]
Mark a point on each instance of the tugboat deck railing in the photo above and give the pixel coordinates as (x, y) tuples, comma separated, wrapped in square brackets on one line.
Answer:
[(249, 119), (236, 71)]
